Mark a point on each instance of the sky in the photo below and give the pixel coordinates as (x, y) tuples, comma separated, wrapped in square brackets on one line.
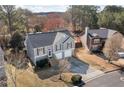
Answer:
[(45, 8)]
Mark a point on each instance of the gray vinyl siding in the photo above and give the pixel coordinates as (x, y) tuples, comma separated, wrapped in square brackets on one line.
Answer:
[(30, 51), (45, 50)]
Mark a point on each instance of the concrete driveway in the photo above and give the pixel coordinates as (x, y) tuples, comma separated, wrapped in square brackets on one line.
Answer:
[(80, 67), (76, 67)]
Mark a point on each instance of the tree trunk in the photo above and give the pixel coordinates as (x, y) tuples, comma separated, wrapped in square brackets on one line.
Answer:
[(60, 76)]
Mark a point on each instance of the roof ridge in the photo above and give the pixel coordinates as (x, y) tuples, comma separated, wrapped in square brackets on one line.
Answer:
[(47, 32)]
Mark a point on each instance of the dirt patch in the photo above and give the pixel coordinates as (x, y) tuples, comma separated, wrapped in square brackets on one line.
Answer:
[(119, 62), (93, 60), (27, 78)]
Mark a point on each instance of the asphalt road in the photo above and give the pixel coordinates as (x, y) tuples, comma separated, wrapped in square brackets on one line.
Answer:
[(111, 79)]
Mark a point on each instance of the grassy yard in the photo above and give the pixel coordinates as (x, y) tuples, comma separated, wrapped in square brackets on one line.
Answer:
[(93, 60), (27, 78)]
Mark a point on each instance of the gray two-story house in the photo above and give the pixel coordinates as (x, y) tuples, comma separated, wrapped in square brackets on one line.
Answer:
[(42, 45)]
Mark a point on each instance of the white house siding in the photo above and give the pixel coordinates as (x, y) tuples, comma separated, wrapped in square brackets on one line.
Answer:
[(58, 55), (64, 52), (70, 40), (60, 37), (68, 53)]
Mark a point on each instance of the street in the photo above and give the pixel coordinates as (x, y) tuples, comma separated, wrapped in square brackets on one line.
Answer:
[(112, 79)]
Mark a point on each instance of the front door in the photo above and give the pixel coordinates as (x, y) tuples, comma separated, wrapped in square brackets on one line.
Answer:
[(49, 53)]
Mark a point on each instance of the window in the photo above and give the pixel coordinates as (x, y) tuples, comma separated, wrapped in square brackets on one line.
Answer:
[(96, 40), (69, 45), (40, 51), (37, 51), (94, 46), (58, 47)]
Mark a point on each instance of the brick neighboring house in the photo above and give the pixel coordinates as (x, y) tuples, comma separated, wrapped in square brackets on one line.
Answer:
[(96, 38)]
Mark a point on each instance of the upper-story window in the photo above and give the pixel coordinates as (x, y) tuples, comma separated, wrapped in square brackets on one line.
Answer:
[(40, 51), (58, 47), (69, 45), (96, 40)]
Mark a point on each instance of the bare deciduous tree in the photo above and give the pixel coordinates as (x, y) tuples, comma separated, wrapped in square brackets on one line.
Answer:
[(112, 46)]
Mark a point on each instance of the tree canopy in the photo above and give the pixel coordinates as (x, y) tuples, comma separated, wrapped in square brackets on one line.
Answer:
[(112, 17), (16, 41), (13, 18), (83, 16)]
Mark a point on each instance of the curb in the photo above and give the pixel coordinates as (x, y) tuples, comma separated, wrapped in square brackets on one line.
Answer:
[(86, 81), (101, 75), (112, 70)]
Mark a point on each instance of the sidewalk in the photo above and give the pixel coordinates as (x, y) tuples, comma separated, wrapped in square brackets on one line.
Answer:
[(90, 76)]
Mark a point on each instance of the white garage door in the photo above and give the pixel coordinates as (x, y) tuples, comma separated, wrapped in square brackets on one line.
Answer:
[(67, 53), (58, 55)]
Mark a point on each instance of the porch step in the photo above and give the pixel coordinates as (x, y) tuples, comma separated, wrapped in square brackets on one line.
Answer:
[(52, 61)]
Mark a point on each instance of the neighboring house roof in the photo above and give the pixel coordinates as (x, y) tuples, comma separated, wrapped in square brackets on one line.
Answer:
[(1, 58), (45, 38), (1, 51), (103, 33), (77, 33)]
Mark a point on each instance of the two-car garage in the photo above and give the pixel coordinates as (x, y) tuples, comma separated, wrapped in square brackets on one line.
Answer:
[(64, 54)]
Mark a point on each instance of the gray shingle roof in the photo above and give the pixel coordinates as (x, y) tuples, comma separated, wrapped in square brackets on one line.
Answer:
[(1, 51), (103, 33), (44, 38)]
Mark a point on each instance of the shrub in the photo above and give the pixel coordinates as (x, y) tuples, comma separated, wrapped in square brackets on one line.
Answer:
[(76, 78), (16, 41)]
